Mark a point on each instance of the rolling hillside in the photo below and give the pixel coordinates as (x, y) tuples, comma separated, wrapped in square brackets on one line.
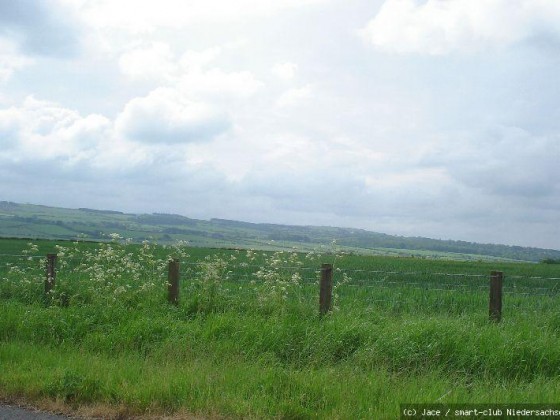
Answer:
[(36, 221)]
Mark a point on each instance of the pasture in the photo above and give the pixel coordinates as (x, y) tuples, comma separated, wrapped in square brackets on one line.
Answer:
[(246, 339)]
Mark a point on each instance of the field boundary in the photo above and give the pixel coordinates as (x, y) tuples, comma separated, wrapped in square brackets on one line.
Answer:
[(324, 278)]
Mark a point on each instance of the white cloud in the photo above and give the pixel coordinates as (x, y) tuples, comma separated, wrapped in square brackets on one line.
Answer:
[(191, 104), (167, 116), (196, 60), (45, 130), (154, 62), (189, 73), (42, 134), (285, 71), (294, 96), (144, 15), (11, 59), (218, 83), (439, 27)]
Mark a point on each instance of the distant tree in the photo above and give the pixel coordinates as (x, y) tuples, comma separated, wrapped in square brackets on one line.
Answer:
[(550, 261)]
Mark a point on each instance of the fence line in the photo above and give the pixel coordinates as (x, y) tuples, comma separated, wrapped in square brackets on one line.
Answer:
[(435, 273), (317, 270), (244, 265), (409, 273), (532, 278), (22, 255), (325, 280)]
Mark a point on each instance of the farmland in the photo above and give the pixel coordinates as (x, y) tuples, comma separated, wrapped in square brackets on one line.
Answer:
[(245, 339), (36, 221)]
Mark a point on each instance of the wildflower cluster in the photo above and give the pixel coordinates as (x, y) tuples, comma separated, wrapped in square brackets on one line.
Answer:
[(208, 289), (109, 273), (24, 277), (120, 273), (279, 280)]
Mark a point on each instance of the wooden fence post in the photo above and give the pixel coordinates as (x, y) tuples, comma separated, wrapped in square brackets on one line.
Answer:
[(51, 273), (173, 282), (325, 289), (496, 283)]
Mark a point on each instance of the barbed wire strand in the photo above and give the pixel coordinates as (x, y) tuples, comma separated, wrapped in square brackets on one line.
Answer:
[(383, 284), (317, 270)]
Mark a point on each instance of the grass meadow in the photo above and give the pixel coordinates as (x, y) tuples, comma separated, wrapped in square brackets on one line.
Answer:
[(246, 340)]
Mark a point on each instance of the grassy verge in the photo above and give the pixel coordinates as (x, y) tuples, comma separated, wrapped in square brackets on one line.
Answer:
[(243, 365), (136, 385), (249, 344)]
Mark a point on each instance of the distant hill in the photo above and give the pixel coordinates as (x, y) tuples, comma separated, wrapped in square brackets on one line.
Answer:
[(37, 221)]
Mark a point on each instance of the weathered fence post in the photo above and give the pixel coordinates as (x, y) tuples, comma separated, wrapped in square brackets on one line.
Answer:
[(496, 282), (51, 273), (325, 289), (173, 282)]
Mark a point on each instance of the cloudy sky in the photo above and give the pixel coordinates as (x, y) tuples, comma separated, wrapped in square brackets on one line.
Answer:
[(437, 118)]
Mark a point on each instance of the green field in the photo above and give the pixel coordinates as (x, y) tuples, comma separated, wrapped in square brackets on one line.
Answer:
[(246, 341), (43, 222)]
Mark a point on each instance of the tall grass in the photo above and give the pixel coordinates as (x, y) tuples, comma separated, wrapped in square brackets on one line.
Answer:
[(246, 339)]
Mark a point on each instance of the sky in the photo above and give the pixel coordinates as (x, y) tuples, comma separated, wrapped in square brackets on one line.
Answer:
[(437, 118)]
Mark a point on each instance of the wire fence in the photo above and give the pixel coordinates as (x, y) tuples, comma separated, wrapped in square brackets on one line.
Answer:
[(437, 280), (391, 287)]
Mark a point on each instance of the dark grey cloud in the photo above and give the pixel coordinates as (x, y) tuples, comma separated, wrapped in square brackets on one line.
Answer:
[(147, 187), (506, 161), (460, 146), (41, 27)]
